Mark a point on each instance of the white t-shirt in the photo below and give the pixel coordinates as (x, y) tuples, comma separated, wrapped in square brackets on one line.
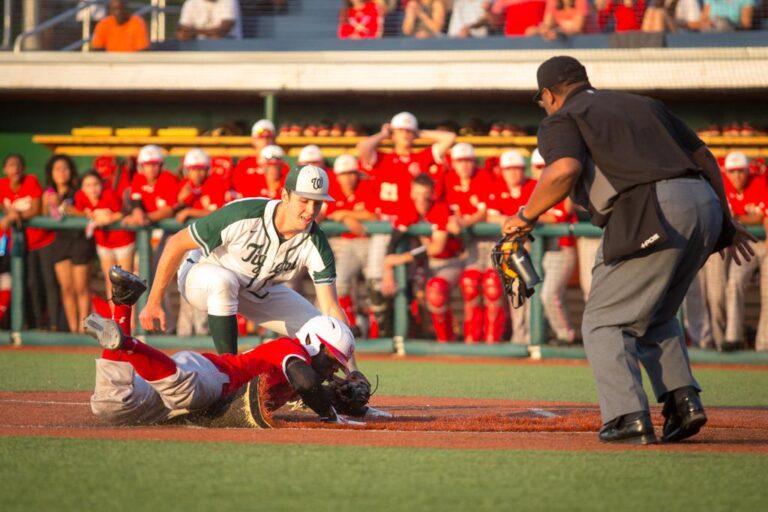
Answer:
[(466, 12), (687, 11), (204, 14)]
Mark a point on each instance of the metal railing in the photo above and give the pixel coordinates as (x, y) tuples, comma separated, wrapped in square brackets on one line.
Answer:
[(538, 324), (157, 31)]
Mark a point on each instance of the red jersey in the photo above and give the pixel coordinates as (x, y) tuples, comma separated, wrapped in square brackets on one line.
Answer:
[(108, 168), (468, 199), (520, 15), (627, 18), (221, 166), (111, 239), (750, 200), (437, 217), (363, 23), (563, 217), (159, 195), (268, 360), (507, 201), (361, 199), (393, 174), (192, 200), (214, 193), (248, 177), (21, 201)]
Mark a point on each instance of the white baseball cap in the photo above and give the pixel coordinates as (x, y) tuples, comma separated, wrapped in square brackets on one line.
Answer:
[(150, 154), (310, 154), (406, 121), (345, 163), (463, 151), (736, 160), (511, 158), (263, 128), (536, 159), (308, 181), (271, 152), (196, 159)]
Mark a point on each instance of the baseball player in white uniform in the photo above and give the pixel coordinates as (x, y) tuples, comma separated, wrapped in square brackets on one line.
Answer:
[(238, 258)]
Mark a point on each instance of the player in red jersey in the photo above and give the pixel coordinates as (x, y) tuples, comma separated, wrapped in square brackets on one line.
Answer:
[(265, 180), (195, 167), (153, 190), (392, 174), (747, 196), (442, 250), (467, 191), (352, 205), (558, 264), (512, 191), (262, 135)]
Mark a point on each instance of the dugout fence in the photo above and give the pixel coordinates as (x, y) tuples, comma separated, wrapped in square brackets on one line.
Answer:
[(399, 343)]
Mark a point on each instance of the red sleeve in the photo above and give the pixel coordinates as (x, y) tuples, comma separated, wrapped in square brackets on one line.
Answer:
[(81, 202), (169, 188), (32, 186), (438, 216)]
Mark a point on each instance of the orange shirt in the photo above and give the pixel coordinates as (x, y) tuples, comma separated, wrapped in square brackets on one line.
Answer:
[(128, 37)]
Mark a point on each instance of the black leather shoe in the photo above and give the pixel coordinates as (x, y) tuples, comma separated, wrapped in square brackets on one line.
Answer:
[(732, 346), (126, 287), (683, 414), (632, 428)]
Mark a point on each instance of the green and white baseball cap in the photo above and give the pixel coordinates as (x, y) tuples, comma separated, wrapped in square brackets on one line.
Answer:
[(308, 181)]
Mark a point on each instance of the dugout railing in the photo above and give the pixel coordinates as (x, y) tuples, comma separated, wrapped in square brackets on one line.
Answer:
[(399, 343)]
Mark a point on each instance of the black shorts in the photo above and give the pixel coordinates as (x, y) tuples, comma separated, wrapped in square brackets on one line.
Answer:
[(73, 246)]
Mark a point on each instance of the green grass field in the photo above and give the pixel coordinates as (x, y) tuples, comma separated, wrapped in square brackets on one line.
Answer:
[(63, 474)]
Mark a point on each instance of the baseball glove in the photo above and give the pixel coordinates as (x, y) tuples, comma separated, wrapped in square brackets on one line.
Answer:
[(126, 287), (513, 264), (350, 395)]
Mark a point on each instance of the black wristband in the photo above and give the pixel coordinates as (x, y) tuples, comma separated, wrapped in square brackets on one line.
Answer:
[(524, 218)]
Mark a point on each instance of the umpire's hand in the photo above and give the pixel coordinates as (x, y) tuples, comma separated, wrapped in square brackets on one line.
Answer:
[(152, 318), (741, 244)]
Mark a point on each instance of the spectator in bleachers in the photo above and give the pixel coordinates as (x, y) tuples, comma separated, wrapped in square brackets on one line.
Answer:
[(522, 17), (469, 18), (747, 196), (102, 206), (565, 18), (353, 204), (511, 192), (392, 174), (120, 31), (361, 19), (424, 18), (440, 252), (467, 192), (73, 252), (619, 15), (209, 19), (671, 15), (21, 196), (266, 180), (726, 15), (558, 264)]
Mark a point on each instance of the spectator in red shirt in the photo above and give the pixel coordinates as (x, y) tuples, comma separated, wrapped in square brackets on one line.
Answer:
[(441, 251), (21, 196), (627, 14), (521, 16), (563, 18), (73, 252), (103, 207), (360, 19)]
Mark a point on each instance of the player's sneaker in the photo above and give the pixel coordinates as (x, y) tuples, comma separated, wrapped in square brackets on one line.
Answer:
[(372, 412), (126, 287), (105, 331)]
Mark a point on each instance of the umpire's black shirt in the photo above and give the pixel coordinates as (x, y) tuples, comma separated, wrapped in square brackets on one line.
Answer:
[(631, 139)]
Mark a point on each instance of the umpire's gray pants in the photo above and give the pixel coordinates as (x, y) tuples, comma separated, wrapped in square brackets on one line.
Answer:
[(630, 312)]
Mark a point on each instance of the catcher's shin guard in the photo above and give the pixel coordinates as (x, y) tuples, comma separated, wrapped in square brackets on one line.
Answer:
[(246, 408), (437, 291), (473, 308), (495, 307), (126, 287)]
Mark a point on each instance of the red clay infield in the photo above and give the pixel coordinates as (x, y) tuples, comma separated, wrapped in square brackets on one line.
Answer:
[(419, 422)]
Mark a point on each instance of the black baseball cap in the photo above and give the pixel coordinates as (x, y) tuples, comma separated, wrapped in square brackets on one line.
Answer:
[(559, 70)]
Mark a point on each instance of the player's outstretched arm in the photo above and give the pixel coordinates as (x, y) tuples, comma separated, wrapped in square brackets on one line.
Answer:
[(169, 263), (309, 386)]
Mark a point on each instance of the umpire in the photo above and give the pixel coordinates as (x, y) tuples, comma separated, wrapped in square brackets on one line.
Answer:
[(655, 188)]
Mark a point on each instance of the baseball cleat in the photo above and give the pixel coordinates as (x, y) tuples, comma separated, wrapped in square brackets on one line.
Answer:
[(105, 331), (372, 412), (126, 287)]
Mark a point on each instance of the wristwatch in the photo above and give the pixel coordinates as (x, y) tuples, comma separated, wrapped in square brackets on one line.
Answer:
[(525, 219)]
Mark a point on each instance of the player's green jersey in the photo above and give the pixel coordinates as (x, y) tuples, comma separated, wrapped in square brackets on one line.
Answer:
[(242, 237)]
